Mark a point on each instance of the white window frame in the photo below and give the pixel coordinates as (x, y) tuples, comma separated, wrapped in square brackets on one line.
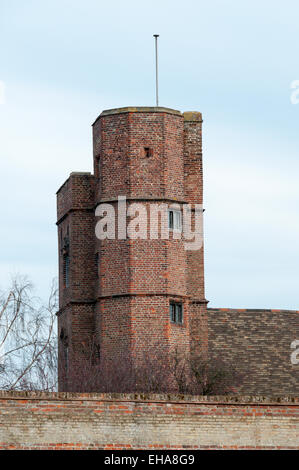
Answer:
[(176, 220)]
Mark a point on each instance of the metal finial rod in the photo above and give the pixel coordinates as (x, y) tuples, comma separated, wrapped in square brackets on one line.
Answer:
[(156, 49)]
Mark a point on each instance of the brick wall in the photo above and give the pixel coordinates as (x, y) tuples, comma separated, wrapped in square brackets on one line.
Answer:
[(104, 421), (75, 212), (139, 277), (135, 280), (257, 342)]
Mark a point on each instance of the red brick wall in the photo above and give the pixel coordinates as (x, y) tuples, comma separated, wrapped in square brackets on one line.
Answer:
[(150, 272), (75, 212), (136, 278), (104, 421), (193, 184), (125, 301)]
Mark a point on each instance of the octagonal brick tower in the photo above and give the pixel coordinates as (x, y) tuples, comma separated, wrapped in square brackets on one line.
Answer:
[(123, 290)]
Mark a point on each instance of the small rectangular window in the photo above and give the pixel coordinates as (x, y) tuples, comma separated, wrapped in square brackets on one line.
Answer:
[(176, 312), (172, 312), (170, 219), (174, 219), (148, 152), (179, 314)]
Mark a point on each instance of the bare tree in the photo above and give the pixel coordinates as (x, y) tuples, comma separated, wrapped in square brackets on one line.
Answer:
[(28, 344), (213, 376), (28, 357), (153, 372)]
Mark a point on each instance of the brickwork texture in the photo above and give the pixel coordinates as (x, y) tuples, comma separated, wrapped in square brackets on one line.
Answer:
[(154, 155), (77, 421), (148, 155)]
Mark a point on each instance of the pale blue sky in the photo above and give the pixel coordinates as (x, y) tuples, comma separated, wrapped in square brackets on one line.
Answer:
[(63, 62)]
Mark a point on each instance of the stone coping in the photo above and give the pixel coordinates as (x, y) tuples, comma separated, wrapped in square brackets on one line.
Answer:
[(192, 116), (138, 109), (188, 115), (141, 109), (152, 397)]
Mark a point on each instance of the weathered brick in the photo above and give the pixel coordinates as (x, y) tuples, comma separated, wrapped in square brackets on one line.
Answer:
[(126, 304), (129, 421)]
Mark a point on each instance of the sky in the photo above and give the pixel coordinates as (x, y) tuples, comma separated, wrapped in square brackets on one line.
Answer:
[(63, 62)]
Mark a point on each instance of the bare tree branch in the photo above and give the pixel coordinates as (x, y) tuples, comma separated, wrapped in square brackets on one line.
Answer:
[(28, 343)]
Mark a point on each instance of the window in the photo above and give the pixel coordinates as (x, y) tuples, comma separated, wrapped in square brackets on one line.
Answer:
[(176, 312), (174, 219), (148, 152), (66, 270)]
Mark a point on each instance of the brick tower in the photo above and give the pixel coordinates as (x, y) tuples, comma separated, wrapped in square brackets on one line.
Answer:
[(132, 294)]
